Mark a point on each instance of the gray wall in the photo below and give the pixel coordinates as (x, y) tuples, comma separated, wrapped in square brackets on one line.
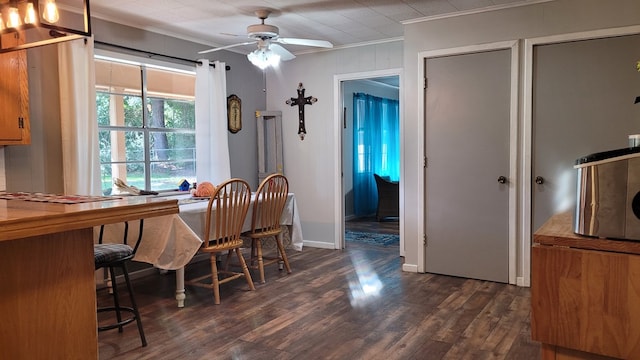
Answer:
[(38, 167)]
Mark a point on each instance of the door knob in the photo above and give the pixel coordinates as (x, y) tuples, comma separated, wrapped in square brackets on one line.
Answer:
[(539, 180), (502, 179)]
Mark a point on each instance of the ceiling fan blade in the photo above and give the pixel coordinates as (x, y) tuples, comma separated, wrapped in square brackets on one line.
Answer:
[(282, 52), (305, 42), (227, 47)]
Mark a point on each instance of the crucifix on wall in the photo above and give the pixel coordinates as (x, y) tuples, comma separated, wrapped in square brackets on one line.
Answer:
[(301, 101)]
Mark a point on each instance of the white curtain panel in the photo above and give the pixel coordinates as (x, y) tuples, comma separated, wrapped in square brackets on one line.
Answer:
[(80, 152), (212, 145)]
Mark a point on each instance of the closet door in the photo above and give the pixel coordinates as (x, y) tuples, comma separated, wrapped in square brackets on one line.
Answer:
[(466, 179), (583, 94)]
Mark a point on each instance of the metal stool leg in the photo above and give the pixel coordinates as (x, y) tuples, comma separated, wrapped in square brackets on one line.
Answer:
[(133, 304), (116, 302), (118, 308)]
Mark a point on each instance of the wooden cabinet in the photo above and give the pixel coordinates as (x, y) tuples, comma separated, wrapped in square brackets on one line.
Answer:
[(585, 294), (14, 95)]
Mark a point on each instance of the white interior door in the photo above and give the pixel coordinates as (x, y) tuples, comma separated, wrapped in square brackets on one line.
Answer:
[(467, 119), (583, 94)]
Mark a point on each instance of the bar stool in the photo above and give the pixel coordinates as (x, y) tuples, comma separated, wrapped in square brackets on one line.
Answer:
[(116, 255)]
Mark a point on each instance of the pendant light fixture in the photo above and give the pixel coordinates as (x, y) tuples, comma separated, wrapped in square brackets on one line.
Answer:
[(42, 22)]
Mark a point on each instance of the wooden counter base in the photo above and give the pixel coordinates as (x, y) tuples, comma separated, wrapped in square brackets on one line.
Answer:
[(586, 300), (551, 352), (585, 303), (47, 286), (48, 297)]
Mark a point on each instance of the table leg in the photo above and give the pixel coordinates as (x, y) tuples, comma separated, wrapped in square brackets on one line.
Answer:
[(180, 295)]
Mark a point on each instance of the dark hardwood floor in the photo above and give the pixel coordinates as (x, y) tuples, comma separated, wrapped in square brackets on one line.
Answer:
[(370, 224), (351, 304)]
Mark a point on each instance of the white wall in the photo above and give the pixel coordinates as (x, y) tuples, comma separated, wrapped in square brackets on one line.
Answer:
[(310, 164), (525, 22)]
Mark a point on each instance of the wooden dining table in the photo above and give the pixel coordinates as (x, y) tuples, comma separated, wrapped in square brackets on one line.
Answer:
[(170, 242)]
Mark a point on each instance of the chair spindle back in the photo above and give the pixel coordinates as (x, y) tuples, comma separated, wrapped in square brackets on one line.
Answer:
[(226, 212), (271, 198)]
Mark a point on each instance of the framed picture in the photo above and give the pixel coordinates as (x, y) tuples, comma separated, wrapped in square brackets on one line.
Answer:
[(234, 113)]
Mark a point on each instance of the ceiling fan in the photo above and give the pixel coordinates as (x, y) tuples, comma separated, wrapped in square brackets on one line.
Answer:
[(265, 36)]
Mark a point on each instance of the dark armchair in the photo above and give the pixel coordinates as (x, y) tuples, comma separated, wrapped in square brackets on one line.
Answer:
[(388, 198)]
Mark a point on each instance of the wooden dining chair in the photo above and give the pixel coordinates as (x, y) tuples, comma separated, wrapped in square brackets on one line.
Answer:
[(265, 222), (226, 212)]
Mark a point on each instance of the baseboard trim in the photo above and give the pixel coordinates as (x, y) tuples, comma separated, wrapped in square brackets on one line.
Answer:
[(410, 268), (319, 244), (520, 282)]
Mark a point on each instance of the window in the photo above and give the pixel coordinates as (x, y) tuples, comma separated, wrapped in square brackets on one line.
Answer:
[(146, 123), (376, 136), (376, 140)]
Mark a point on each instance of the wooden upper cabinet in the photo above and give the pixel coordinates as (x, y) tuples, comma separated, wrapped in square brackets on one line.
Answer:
[(14, 95)]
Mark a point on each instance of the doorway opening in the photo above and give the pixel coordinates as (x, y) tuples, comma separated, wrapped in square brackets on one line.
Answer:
[(366, 141)]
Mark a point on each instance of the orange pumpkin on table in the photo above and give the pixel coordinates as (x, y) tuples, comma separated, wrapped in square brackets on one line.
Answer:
[(204, 189)]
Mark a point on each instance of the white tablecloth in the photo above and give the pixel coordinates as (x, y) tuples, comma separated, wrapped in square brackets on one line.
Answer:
[(170, 242)]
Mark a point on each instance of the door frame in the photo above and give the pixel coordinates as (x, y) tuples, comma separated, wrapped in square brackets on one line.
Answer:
[(514, 183), (527, 128), (337, 154)]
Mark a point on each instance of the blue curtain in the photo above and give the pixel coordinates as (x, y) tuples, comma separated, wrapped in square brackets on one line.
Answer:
[(376, 148)]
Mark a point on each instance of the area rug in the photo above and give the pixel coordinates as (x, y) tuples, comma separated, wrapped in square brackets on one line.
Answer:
[(372, 238)]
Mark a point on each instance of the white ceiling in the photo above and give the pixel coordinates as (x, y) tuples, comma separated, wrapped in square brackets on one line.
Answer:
[(342, 22)]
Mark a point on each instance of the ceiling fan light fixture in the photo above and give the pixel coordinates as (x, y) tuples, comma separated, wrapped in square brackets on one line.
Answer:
[(273, 59), (265, 35), (263, 58)]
